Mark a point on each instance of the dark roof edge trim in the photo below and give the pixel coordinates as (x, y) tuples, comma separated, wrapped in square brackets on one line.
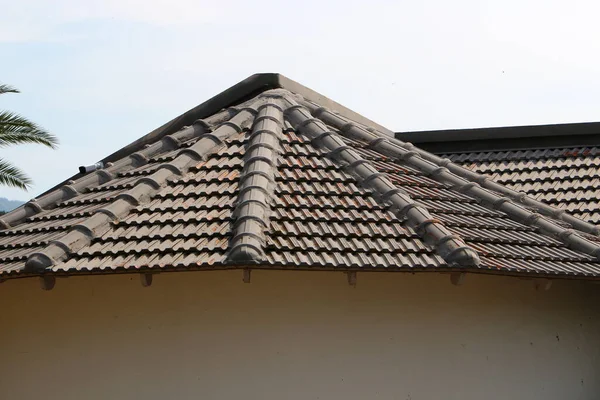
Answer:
[(497, 135), (494, 145), (512, 272)]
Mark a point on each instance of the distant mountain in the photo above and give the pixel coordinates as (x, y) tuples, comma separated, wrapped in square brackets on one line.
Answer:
[(8, 205)]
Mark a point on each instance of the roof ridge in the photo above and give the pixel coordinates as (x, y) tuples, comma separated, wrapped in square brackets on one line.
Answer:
[(104, 175), (449, 246), (257, 184), (441, 171), (143, 190)]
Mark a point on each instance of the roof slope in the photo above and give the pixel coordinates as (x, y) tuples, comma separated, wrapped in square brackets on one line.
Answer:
[(278, 181), (568, 178), (556, 164)]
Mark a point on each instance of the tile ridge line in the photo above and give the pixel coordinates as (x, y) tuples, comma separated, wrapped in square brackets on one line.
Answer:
[(257, 183), (479, 186), (81, 235), (449, 246)]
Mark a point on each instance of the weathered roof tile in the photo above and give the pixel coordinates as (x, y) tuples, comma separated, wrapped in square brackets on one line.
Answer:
[(288, 184), (565, 177)]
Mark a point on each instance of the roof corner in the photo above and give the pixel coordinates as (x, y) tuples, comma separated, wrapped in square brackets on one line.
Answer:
[(463, 256)]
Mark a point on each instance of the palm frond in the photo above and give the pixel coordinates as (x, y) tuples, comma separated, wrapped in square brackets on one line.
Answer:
[(15, 129), (7, 89), (13, 176)]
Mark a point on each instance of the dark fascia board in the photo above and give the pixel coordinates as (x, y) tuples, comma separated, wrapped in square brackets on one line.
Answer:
[(505, 138), (238, 93)]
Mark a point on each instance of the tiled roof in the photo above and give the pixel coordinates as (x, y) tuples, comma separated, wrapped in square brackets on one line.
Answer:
[(279, 181), (558, 164), (565, 177)]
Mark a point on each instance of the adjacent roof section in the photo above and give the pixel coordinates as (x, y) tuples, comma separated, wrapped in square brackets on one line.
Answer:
[(556, 164), (505, 138), (283, 180)]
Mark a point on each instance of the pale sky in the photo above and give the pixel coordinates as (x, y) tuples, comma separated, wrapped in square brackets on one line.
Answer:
[(100, 74)]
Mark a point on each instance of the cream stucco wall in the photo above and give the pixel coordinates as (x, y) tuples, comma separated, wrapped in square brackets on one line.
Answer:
[(299, 335)]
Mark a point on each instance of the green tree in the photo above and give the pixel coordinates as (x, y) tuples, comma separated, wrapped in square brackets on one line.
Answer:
[(14, 129)]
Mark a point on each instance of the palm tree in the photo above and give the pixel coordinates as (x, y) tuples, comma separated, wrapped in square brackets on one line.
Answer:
[(15, 129)]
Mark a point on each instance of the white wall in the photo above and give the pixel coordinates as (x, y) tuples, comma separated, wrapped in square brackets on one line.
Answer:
[(299, 335)]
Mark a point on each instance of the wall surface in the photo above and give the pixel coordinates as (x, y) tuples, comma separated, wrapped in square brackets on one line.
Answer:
[(299, 335)]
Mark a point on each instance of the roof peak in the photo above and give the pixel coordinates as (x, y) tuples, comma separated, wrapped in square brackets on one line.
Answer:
[(233, 96)]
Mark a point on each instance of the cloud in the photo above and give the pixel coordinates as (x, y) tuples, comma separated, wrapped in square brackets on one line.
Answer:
[(28, 20)]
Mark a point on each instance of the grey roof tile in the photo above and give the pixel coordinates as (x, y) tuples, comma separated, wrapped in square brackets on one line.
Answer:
[(565, 177)]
